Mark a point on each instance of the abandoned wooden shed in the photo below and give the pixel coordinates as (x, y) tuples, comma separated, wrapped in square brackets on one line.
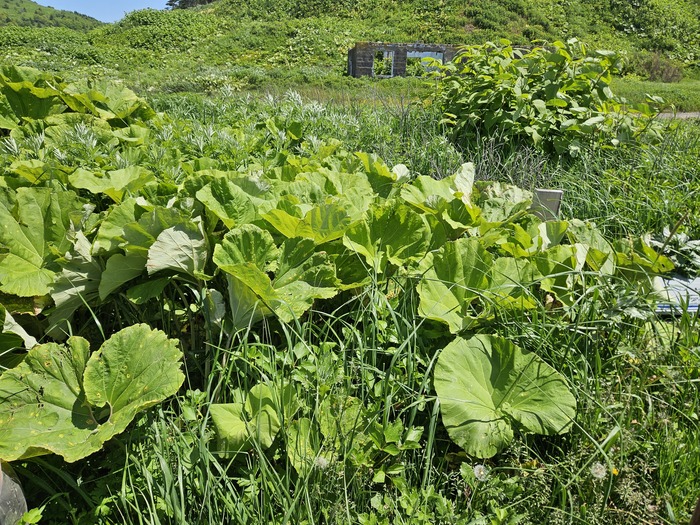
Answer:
[(381, 59)]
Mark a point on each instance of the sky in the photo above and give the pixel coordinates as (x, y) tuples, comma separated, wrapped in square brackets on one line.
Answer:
[(105, 10)]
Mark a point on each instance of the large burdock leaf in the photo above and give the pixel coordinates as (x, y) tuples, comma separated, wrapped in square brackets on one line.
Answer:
[(8, 119), (30, 93), (561, 267), (393, 232), (511, 283), (428, 194), (499, 202), (486, 383), (76, 285), (115, 184), (457, 277), (27, 236), (111, 230), (12, 335), (286, 280), (181, 248), (247, 244), (228, 202), (154, 228), (322, 223), (65, 401)]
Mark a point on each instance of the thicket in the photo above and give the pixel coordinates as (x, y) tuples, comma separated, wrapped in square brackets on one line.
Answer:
[(556, 98)]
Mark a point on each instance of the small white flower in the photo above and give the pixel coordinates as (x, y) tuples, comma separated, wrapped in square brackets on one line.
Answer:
[(481, 472), (321, 463), (598, 470)]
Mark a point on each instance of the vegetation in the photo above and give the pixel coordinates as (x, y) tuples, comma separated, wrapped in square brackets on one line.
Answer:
[(25, 13), (247, 45), (184, 4), (248, 307), (557, 99)]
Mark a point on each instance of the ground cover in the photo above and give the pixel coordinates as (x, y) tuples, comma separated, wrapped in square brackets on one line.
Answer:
[(279, 45), (25, 13), (326, 303)]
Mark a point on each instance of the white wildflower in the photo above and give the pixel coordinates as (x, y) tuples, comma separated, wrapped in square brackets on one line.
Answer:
[(321, 463), (598, 470), (481, 472)]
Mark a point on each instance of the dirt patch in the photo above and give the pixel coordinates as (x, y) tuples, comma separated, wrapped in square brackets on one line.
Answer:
[(683, 116)]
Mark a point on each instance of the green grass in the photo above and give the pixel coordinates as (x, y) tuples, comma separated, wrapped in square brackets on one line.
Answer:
[(683, 96)]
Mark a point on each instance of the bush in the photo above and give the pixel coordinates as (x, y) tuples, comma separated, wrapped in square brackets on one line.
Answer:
[(554, 97), (656, 67)]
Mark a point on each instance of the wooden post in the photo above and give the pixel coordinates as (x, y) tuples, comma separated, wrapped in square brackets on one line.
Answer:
[(695, 520)]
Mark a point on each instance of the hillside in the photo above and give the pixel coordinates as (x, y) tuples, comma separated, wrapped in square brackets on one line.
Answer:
[(25, 13), (245, 45)]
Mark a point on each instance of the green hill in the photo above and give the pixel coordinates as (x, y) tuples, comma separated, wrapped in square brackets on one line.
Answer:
[(301, 42), (25, 13)]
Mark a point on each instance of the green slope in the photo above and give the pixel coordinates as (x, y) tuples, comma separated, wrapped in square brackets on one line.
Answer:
[(25, 13), (298, 42)]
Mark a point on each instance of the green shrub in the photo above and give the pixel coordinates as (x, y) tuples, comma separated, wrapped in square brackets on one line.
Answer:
[(162, 31), (555, 97), (654, 67)]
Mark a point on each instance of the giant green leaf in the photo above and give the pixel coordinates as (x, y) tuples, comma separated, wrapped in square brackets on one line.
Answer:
[(499, 202), (12, 334), (182, 248), (486, 384), (76, 285), (393, 232), (561, 267), (140, 235), (428, 194), (65, 401), (303, 276), (30, 93), (138, 238), (464, 182), (303, 448), (458, 275), (511, 283), (8, 120), (245, 306), (119, 270), (228, 202), (379, 175), (38, 171), (115, 184), (111, 230), (247, 244), (600, 255), (28, 235), (108, 100), (322, 223), (299, 273)]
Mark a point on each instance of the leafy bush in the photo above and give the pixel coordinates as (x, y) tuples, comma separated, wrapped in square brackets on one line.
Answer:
[(59, 43), (556, 97), (655, 67), (164, 31)]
